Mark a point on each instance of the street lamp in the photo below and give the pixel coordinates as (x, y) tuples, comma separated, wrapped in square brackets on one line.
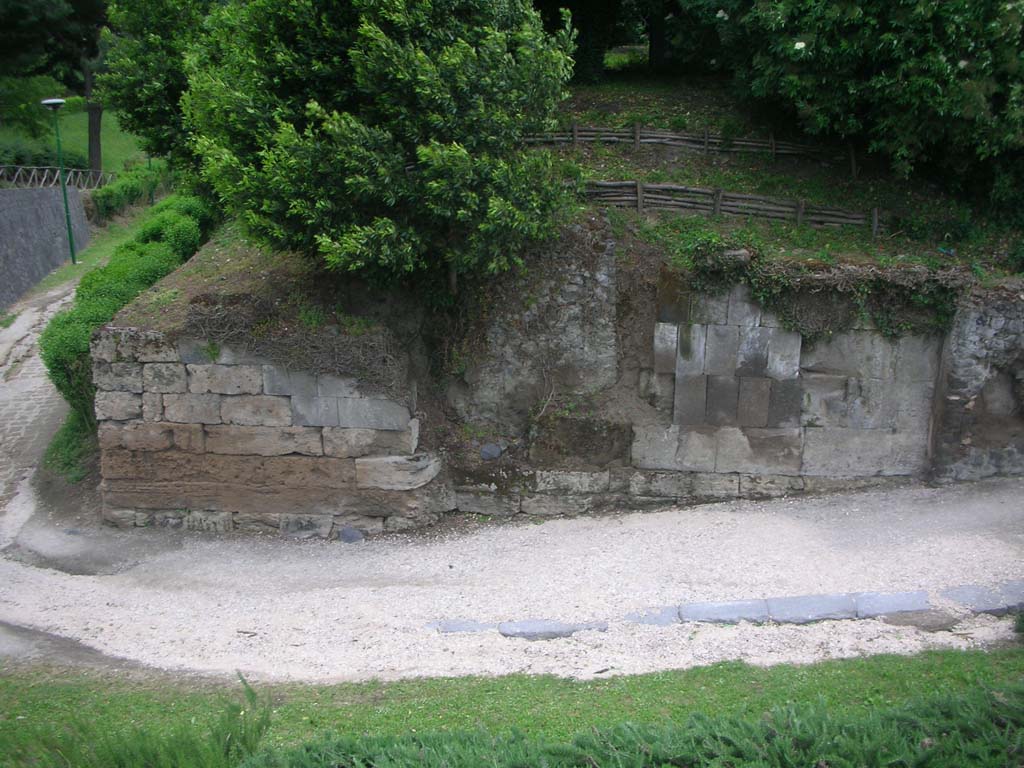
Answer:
[(54, 105)]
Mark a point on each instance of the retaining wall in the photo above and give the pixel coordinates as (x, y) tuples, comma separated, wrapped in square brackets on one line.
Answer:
[(33, 237)]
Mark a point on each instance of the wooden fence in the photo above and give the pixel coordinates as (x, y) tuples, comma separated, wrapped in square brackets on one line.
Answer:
[(29, 176), (642, 196)]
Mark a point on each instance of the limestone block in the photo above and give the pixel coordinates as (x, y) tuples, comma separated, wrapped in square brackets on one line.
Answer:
[(336, 386), (314, 411), (713, 310), (198, 351), (723, 345), (307, 526), (696, 450), (256, 522), (364, 413), (709, 486), (117, 377), (674, 448), (871, 403), (859, 354), (770, 320), (484, 503), (659, 389), (759, 451), (785, 404), (225, 379), (256, 410), (843, 452), (572, 482), (671, 484), (103, 346), (353, 443), (553, 505), (917, 358), (118, 406), (690, 405), (209, 521), (134, 345), (146, 436), (673, 297), (732, 612), (754, 401), (192, 409), (263, 441), (365, 524), (167, 378), (690, 355), (152, 406), (742, 308), (914, 406), (722, 400), (752, 356), (824, 400), (397, 473), (769, 486), (189, 438), (278, 380), (666, 341), (784, 354)]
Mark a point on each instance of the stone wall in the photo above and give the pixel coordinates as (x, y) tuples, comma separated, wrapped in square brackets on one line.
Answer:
[(747, 396), (215, 439), (981, 408), (33, 237)]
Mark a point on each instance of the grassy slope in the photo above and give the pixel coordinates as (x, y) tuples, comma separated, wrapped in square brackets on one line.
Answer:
[(118, 147), (542, 706)]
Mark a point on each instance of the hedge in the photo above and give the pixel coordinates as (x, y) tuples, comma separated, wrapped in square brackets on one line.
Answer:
[(172, 231), (18, 151), (127, 189)]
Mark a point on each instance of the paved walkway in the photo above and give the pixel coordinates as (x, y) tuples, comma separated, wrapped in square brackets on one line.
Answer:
[(322, 611)]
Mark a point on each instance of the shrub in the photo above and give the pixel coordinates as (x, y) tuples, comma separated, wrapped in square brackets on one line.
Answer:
[(127, 189), (19, 151), (167, 237), (383, 137)]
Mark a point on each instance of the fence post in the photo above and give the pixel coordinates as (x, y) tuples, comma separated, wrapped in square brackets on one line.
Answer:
[(575, 132), (639, 196), (771, 145), (853, 163), (875, 223), (636, 135), (707, 142), (801, 209), (717, 205)]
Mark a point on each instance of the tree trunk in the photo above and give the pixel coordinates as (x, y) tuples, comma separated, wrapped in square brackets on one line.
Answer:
[(95, 112)]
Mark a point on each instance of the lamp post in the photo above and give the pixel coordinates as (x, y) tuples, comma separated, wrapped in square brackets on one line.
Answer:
[(54, 105)]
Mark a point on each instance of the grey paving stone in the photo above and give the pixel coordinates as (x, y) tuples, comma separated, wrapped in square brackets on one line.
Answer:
[(978, 598), (1013, 594), (658, 617), (871, 604), (731, 612), (546, 629), (452, 626), (807, 608)]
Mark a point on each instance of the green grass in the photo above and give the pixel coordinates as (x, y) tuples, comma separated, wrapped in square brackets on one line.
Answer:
[(118, 147), (7, 320), (73, 449), (542, 706), (101, 246)]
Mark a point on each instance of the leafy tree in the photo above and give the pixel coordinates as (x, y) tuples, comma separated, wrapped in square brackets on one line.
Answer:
[(383, 136), (594, 22), (145, 76)]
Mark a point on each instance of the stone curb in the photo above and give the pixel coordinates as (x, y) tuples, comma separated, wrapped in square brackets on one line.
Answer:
[(999, 600)]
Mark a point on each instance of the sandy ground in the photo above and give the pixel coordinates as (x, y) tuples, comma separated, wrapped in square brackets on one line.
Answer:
[(76, 593)]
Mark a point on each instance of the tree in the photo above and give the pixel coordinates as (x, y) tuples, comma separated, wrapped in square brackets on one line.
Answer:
[(385, 137), (145, 76), (594, 22)]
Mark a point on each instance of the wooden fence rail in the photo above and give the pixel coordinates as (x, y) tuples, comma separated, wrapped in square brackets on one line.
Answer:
[(32, 176), (642, 196), (703, 142)]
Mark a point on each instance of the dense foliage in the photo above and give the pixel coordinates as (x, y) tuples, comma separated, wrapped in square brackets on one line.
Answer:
[(385, 137), (925, 84), (19, 151), (127, 189), (173, 231)]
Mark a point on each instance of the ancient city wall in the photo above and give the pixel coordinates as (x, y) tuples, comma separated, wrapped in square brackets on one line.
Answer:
[(33, 237)]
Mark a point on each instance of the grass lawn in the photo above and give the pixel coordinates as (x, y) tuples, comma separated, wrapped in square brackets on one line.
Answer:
[(118, 147), (541, 706)]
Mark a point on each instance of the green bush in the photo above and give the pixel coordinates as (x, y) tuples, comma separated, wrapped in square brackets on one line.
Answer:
[(19, 151), (127, 189), (167, 237)]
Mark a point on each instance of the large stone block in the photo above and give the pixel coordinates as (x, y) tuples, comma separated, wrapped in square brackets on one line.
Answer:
[(666, 341), (674, 448), (192, 409), (743, 310), (134, 345), (841, 452), (917, 358), (118, 406), (328, 385), (572, 482), (150, 436), (669, 484), (225, 379), (709, 486), (824, 400), (345, 442), (723, 344), (278, 380), (722, 400), (168, 378), (785, 404), (690, 405), (871, 403), (152, 406), (759, 451), (257, 410), (364, 413), (752, 356), (314, 411), (769, 486), (784, 354), (690, 355), (554, 505), (487, 503), (396, 473), (754, 402), (858, 354), (117, 377), (208, 521), (712, 310), (263, 441)]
